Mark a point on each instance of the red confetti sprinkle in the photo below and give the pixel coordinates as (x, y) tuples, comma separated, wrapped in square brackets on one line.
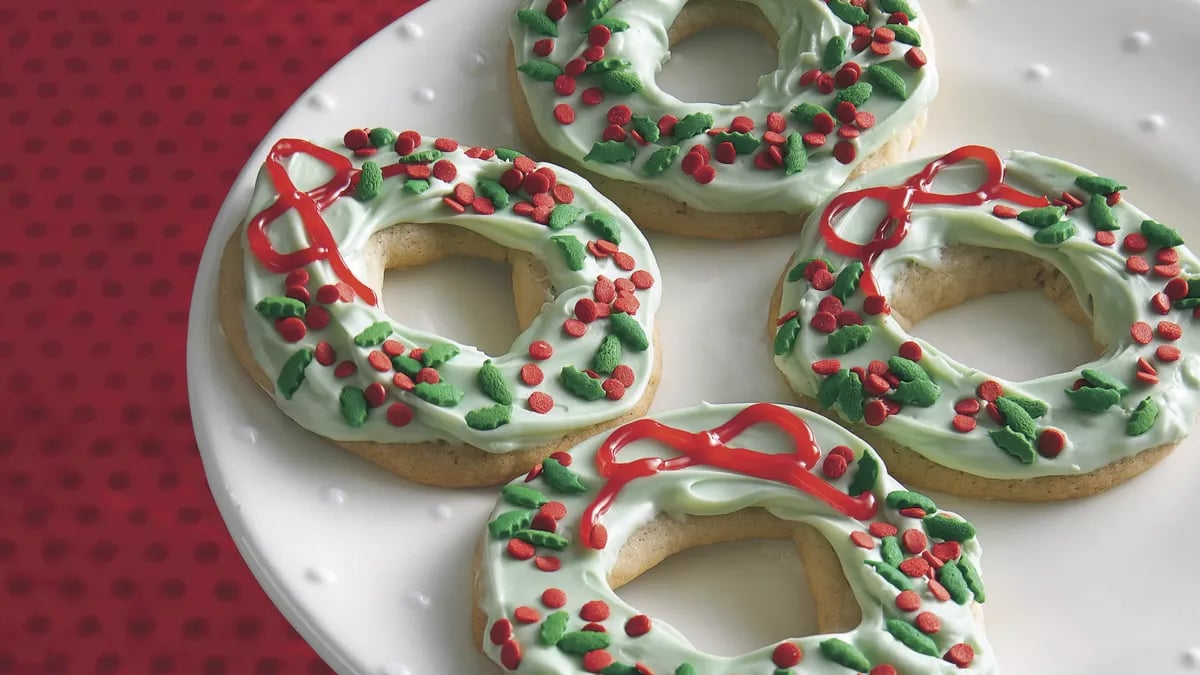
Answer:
[(575, 67), (846, 112), (624, 261), (599, 35), (296, 278), (1169, 331), (939, 591), (742, 124), (776, 122), (1141, 332), (960, 654), (531, 374), (881, 48), (585, 310), (399, 414), (484, 206), (614, 132), (876, 304), (913, 540), (547, 563), (1167, 271), (564, 85), (908, 601), (592, 96), (1166, 256), (599, 536), (316, 317), (325, 353), (822, 279), (291, 329), (823, 123), (1146, 378), (1167, 353), (824, 322), (595, 628), (574, 327), (1135, 242), (967, 406), (454, 205), (379, 361), (813, 139), (990, 390), (705, 174), (554, 598), (501, 631), (1051, 442), (834, 466), (809, 76), (624, 375), (913, 512), (876, 385), (847, 131), (356, 139), (726, 153), (862, 539), (510, 655), (403, 382), (392, 347), (928, 623), (848, 317), (595, 610), (526, 614), (825, 83), (1137, 264), (883, 668), (844, 151), (637, 625), (297, 293), (786, 655), (829, 303), (1004, 211), (914, 567), (544, 523), (1176, 289), (428, 376), (328, 294), (1160, 303), (535, 184), (915, 58), (845, 77), (1105, 238), (565, 114), (597, 660), (593, 53), (1145, 366), (563, 194), (882, 530), (521, 550), (875, 412), (963, 424)]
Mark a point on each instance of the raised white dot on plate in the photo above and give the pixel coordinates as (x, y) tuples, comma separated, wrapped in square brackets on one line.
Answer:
[(233, 499), (1191, 657), (424, 94), (441, 511), (333, 496), (395, 669), (322, 101), (319, 576), (1038, 71), (1152, 123), (410, 30), (417, 600), (249, 434), (475, 61), (1136, 41)]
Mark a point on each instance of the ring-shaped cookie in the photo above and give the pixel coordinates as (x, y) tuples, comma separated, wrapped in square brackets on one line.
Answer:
[(849, 94), (560, 541), (926, 235), (300, 303)]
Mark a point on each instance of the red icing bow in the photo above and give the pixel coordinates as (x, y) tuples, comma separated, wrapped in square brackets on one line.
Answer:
[(708, 448)]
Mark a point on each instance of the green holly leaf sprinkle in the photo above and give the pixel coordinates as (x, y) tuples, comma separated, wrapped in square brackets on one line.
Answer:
[(1097, 378), (891, 575), (831, 387), (406, 364), (1101, 214), (574, 252), (612, 23), (1017, 419), (422, 157), (538, 22), (910, 637), (920, 393), (1044, 216), (492, 382), (596, 9), (522, 495), (1055, 234), (805, 112), (604, 225), (438, 353), (848, 338), (560, 478), (605, 65), (889, 550), (416, 186), (660, 159), (611, 152), (564, 215), (442, 394), (541, 70), (1143, 417), (905, 499), (742, 142), (580, 384), (797, 272), (907, 370), (508, 155), (888, 81), (865, 475), (381, 136), (1094, 399), (897, 6), (505, 524), (370, 181), (845, 654), (629, 331), (608, 355), (1160, 235), (291, 376), (785, 336), (796, 158), (583, 641), (847, 12), (1014, 443), (685, 669), (1032, 406), (278, 307), (1099, 185), (374, 334), (493, 190), (857, 93), (847, 281), (949, 529), (541, 538), (621, 82), (971, 576), (951, 577), (646, 127), (353, 405), (835, 51), (906, 34), (553, 628), (692, 124), (850, 398)]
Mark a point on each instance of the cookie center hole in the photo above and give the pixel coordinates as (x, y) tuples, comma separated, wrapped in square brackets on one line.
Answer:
[(1006, 314), (718, 52)]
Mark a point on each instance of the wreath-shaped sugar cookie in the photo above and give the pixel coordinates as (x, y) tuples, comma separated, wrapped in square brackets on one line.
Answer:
[(300, 303), (583, 523), (926, 235), (850, 93)]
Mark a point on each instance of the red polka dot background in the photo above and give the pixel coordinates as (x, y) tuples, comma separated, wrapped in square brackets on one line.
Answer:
[(124, 127)]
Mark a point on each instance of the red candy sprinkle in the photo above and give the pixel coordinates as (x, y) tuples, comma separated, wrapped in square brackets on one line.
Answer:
[(913, 540), (531, 374), (547, 563), (595, 610), (826, 366), (1160, 303), (555, 510), (554, 598), (967, 406), (379, 361), (705, 174), (399, 414), (786, 655), (928, 623), (500, 632), (947, 550), (510, 655), (325, 354), (908, 601), (1004, 211), (599, 35), (914, 567), (726, 153), (834, 466), (1051, 442), (875, 304), (597, 660), (963, 424), (613, 389), (624, 261), (593, 53), (822, 279), (291, 329), (1146, 378), (882, 530), (574, 327), (454, 205), (623, 374), (296, 278), (829, 303), (990, 390), (876, 385), (540, 403), (585, 310), (428, 376), (1105, 238), (939, 591), (403, 382), (846, 77), (1169, 331), (913, 512), (1167, 256), (526, 614), (1141, 332), (1167, 353), (1135, 242), (328, 294), (844, 151), (848, 317), (1177, 288), (599, 536), (521, 550), (565, 114), (883, 668), (356, 139), (875, 412), (540, 350), (642, 279), (916, 58), (1137, 264), (637, 625), (911, 351), (824, 322), (960, 654), (776, 122), (862, 540), (316, 317)]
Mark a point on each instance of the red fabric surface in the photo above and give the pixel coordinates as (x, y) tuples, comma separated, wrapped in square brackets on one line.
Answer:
[(124, 125)]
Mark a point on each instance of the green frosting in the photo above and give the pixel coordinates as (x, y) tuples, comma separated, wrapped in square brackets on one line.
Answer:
[(564, 215), (831, 387), (580, 384), (948, 529), (278, 307), (690, 125), (785, 336), (888, 81), (611, 152), (605, 65), (604, 225), (370, 181), (574, 252), (538, 69), (685, 669), (608, 355), (1094, 399), (541, 538), (538, 22), (291, 376), (897, 6), (1143, 417), (1014, 443), (912, 638), (492, 382), (374, 334), (422, 157), (629, 331), (596, 9), (848, 338), (660, 160), (442, 394), (522, 495), (353, 405), (505, 524), (847, 281), (845, 654), (1032, 406)]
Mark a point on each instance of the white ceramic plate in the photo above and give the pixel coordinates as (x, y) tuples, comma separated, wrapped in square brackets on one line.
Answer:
[(375, 572)]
